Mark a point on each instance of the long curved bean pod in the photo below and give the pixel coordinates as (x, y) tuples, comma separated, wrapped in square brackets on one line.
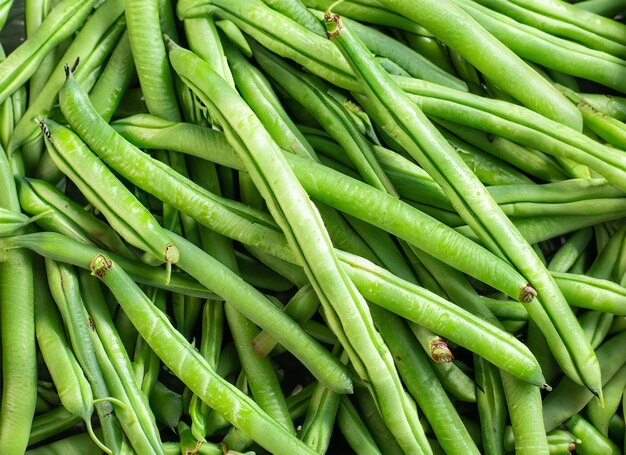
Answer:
[(59, 213), (117, 75), (310, 242), (593, 293), (354, 430), (589, 21), (51, 424), (189, 365), (410, 126), (62, 21), (491, 405)]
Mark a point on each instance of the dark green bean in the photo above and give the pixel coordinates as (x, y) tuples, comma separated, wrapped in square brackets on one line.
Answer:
[(491, 405)]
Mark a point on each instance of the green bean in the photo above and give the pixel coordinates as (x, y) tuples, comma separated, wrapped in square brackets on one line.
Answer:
[(370, 284), (50, 424), (592, 441), (248, 301), (319, 420), (592, 22), (258, 93), (531, 161), (455, 381), (374, 421), (111, 197), (434, 346), (550, 51), (311, 94), (259, 275), (424, 386), (354, 430), (167, 404), (146, 364), (296, 11), (592, 293), (301, 307), (491, 406), (64, 19), (116, 76), (606, 8), (70, 381), (66, 216), (369, 11), (64, 249), (489, 170), (568, 398), (18, 351), (608, 128), (144, 32), (493, 227), (116, 353), (73, 445), (190, 366), (516, 70), (415, 64), (571, 250), (92, 45), (614, 106), (554, 26), (204, 41), (64, 289), (600, 416), (260, 153), (506, 309)]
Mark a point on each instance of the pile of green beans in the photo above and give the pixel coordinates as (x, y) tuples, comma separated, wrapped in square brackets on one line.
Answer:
[(308, 226)]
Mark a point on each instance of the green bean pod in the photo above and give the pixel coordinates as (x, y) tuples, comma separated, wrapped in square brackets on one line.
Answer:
[(354, 430), (131, 219), (423, 386), (64, 289), (296, 11), (600, 416), (491, 405), (402, 298), (107, 340), (592, 441), (51, 424), (64, 19), (92, 45), (468, 195), (190, 366), (70, 381), (592, 293), (569, 398), (116, 76), (66, 216), (155, 77)]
